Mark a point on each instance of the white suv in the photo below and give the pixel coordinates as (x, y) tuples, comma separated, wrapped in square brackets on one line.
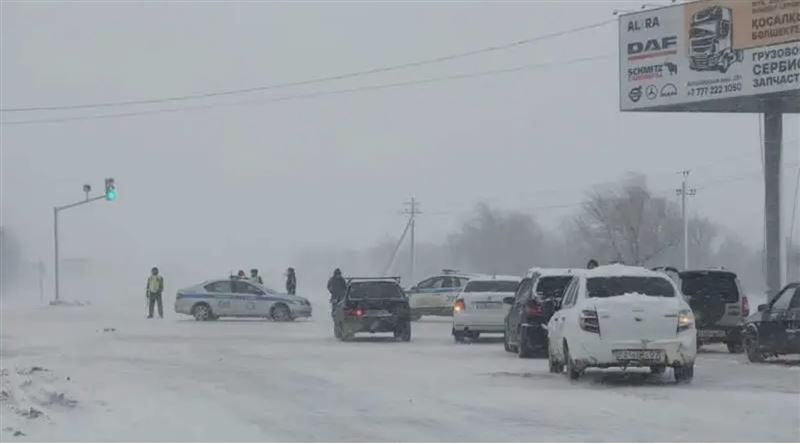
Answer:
[(621, 316)]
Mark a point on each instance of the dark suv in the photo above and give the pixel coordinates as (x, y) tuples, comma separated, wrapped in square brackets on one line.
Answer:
[(775, 329), (719, 306), (537, 298), (372, 305)]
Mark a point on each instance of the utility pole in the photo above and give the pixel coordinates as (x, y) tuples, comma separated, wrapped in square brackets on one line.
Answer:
[(109, 195), (773, 141), (412, 211), (684, 191)]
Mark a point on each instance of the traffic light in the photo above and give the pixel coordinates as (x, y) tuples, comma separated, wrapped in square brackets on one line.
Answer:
[(111, 189)]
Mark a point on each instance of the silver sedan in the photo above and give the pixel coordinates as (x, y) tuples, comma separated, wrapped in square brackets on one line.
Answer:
[(239, 298)]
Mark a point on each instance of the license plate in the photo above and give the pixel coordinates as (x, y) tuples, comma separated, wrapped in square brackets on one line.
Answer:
[(377, 313), (712, 333), (487, 305), (639, 355)]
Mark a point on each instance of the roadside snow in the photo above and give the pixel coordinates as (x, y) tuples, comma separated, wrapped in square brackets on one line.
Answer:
[(104, 373)]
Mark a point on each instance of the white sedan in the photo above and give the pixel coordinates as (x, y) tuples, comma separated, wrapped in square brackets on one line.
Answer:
[(479, 308), (621, 316)]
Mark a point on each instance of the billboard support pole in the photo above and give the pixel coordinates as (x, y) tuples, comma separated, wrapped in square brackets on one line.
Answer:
[(773, 141)]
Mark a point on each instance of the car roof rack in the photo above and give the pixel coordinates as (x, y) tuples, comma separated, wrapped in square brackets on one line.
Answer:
[(449, 271)]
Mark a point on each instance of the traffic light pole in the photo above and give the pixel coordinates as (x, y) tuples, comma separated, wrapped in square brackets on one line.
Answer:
[(56, 210)]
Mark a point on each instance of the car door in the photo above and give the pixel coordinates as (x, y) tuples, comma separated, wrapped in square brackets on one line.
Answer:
[(772, 332), (249, 300), (515, 312), (221, 297), (791, 324), (556, 326), (427, 292)]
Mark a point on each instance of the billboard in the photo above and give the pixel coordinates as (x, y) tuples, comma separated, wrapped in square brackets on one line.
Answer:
[(711, 55)]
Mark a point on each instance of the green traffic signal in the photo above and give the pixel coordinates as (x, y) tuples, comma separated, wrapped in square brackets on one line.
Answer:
[(111, 195), (111, 189)]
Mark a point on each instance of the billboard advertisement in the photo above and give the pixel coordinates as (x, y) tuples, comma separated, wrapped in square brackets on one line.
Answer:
[(709, 51)]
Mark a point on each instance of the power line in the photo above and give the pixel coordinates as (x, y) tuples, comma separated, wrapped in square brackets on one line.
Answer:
[(312, 94), (417, 63)]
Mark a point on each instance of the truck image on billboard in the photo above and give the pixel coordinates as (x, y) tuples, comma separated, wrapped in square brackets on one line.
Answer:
[(710, 55)]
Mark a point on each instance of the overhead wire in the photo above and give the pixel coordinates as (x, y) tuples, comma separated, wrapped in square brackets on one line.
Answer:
[(352, 74), (310, 95)]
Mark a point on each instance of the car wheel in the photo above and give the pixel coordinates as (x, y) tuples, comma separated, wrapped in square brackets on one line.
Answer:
[(658, 369), (753, 349), (555, 366), (524, 350), (344, 334), (735, 347), (573, 372), (281, 313), (403, 332), (458, 336), (202, 312), (684, 373)]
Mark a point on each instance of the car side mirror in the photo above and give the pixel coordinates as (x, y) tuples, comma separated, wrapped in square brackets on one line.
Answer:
[(763, 307), (508, 300)]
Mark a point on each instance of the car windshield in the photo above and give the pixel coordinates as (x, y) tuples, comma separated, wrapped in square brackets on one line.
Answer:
[(604, 287), (552, 287), (493, 286), (375, 290), (722, 285)]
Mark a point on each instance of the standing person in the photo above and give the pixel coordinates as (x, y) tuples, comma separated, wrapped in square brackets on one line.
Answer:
[(155, 287), (255, 278), (291, 281), (592, 264), (337, 286)]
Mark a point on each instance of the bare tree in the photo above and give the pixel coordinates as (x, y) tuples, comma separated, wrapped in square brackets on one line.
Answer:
[(627, 223)]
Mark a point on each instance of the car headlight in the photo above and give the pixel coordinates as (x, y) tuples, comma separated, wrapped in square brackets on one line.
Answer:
[(685, 320), (295, 302)]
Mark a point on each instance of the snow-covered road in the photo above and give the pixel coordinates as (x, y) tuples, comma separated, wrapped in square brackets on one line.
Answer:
[(97, 373)]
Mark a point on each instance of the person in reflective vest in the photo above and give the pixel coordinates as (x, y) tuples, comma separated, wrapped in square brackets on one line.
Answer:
[(255, 278), (155, 287)]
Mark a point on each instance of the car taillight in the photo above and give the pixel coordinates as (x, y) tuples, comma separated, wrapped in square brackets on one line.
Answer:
[(459, 305), (685, 320), (589, 321), (745, 306), (534, 309), (356, 312)]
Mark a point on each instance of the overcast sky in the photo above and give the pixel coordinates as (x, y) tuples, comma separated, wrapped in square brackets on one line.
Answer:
[(210, 185)]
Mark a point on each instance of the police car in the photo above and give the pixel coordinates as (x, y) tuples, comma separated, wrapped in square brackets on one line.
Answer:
[(435, 295), (232, 297)]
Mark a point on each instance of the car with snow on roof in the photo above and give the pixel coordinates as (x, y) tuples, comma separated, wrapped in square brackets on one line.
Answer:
[(372, 305), (233, 297), (479, 306), (538, 296), (623, 316)]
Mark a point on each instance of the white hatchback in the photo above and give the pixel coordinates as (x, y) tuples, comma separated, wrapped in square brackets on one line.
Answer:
[(479, 308), (621, 316)]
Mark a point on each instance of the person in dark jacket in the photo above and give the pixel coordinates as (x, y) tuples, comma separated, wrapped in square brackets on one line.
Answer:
[(592, 264), (155, 287), (291, 281), (337, 286)]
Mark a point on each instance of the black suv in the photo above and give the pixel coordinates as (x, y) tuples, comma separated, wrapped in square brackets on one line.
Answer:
[(530, 311), (719, 306), (372, 305), (775, 329)]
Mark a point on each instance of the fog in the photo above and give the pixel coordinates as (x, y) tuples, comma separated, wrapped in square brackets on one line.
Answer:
[(320, 182)]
